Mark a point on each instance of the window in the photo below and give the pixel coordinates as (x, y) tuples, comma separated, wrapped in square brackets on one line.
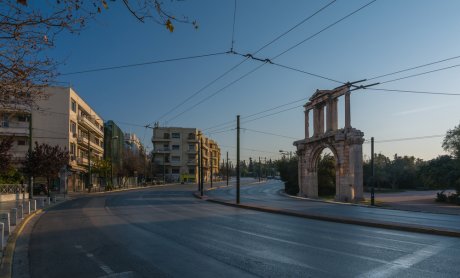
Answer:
[(175, 135), (166, 136), (21, 142), (175, 158), (175, 147), (22, 118), (73, 127), (72, 149), (73, 105), (191, 157), (175, 171), (191, 170), (191, 147), (5, 121), (191, 136)]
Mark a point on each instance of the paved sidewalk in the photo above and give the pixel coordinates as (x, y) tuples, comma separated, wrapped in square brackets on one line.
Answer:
[(266, 197)]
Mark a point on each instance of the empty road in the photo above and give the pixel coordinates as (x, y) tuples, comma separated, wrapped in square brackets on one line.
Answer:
[(165, 232)]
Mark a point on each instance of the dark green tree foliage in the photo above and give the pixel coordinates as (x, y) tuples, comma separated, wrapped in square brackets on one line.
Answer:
[(451, 142), (440, 173), (45, 161), (288, 169), (5, 155), (326, 175)]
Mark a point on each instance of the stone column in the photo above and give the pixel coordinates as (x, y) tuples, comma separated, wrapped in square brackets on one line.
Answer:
[(347, 110), (335, 115), (329, 115), (307, 124), (321, 120), (315, 121)]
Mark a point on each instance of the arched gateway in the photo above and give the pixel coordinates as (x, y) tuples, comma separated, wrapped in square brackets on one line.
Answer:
[(345, 144)]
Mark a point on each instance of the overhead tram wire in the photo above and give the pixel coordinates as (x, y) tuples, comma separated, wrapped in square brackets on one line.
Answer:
[(324, 29), (257, 113), (414, 92), (216, 92), (144, 63), (270, 133), (274, 40), (407, 138), (419, 74), (415, 67)]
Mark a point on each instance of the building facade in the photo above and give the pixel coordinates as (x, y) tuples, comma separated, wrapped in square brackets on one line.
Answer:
[(113, 148), (133, 143), (65, 119), (14, 123), (176, 153)]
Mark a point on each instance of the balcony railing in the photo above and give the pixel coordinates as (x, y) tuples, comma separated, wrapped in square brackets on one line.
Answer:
[(10, 128), (91, 123)]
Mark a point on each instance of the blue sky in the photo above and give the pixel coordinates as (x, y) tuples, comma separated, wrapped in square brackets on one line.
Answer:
[(384, 37)]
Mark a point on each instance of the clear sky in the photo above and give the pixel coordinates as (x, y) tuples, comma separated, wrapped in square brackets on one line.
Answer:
[(384, 37)]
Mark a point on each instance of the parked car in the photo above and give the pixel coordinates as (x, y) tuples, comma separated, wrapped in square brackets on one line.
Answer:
[(39, 188)]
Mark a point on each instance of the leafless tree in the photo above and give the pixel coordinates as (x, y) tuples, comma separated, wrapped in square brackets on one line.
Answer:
[(28, 30)]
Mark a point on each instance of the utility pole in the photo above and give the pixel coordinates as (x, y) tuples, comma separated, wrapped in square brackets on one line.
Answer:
[(31, 179), (211, 166), (238, 159), (89, 161), (227, 169), (260, 169), (201, 168), (372, 171)]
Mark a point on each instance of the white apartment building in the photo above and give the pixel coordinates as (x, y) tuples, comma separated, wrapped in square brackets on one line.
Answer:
[(62, 119)]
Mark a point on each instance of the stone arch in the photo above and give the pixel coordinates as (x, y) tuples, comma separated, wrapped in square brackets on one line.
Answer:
[(345, 144)]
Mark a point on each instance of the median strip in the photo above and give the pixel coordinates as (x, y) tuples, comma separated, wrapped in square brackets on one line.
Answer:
[(343, 220)]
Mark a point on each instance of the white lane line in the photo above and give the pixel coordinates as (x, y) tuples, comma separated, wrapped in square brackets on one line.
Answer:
[(126, 274), (392, 268), (99, 263)]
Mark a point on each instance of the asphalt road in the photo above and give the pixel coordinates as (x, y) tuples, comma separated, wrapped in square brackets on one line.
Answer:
[(165, 232), (267, 194)]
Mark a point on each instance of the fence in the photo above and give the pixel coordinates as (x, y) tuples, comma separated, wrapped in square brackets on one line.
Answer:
[(11, 188)]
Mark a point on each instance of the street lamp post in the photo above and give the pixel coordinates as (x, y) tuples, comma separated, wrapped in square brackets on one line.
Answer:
[(286, 153)]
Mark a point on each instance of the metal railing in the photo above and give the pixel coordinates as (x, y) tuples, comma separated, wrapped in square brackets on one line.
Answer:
[(12, 188)]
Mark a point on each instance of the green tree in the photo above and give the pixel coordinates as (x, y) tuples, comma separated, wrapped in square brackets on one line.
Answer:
[(289, 174), (45, 161), (102, 167), (451, 142), (326, 175), (6, 144)]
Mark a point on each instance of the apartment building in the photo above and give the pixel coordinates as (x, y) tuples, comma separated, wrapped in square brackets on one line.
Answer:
[(14, 122), (176, 150), (65, 119), (133, 143)]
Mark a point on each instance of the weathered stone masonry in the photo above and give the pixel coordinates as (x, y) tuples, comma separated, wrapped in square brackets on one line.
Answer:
[(345, 144)]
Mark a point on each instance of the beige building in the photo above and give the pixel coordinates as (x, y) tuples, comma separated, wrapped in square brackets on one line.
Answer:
[(65, 119), (176, 150), (62, 119)]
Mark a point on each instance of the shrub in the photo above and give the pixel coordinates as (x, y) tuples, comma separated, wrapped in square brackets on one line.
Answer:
[(441, 197)]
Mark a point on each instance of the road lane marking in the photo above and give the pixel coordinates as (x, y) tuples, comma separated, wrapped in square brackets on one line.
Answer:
[(104, 267), (405, 262)]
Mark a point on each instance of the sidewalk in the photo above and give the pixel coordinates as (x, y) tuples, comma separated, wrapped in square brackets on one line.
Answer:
[(267, 198)]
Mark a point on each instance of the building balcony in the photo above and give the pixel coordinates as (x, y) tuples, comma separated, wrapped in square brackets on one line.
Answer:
[(192, 162), (90, 123), (162, 150), (160, 139), (17, 129), (82, 161)]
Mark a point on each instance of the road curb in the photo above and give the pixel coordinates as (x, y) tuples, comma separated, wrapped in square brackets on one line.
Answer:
[(354, 221), (6, 264)]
